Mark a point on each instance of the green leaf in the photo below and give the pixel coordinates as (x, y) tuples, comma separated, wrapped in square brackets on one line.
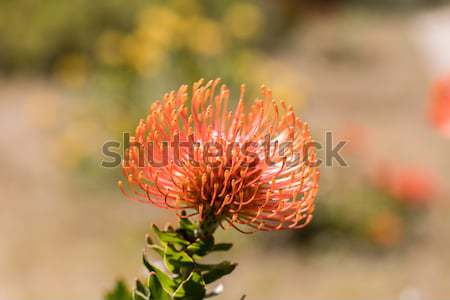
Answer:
[(156, 290), (139, 296), (175, 261), (158, 249), (148, 239), (140, 291), (169, 237), (222, 247), (187, 225), (214, 272), (165, 280), (200, 247), (193, 288), (119, 292)]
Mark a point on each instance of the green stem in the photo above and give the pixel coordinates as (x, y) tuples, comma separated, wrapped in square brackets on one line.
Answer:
[(208, 225)]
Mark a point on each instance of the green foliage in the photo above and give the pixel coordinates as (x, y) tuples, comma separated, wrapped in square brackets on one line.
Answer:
[(119, 292), (185, 278)]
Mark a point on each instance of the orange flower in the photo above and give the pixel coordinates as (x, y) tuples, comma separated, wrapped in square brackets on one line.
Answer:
[(254, 170), (440, 106), (386, 229), (412, 186)]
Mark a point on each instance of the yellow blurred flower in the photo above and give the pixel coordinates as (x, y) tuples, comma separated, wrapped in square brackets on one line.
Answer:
[(158, 25), (142, 56), (206, 37), (244, 20), (158, 30)]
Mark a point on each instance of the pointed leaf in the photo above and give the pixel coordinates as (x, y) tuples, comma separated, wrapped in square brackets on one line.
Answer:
[(165, 280), (158, 249), (148, 239), (140, 291), (193, 288), (222, 247), (200, 247), (214, 272), (187, 225), (139, 296), (169, 237), (156, 290), (175, 261)]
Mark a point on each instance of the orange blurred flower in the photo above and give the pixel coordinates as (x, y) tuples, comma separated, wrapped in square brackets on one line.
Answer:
[(413, 186), (386, 229), (258, 188), (440, 105)]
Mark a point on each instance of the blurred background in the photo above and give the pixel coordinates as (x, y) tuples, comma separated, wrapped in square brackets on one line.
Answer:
[(75, 74)]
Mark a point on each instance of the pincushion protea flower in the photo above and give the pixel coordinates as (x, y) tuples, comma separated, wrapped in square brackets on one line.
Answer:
[(440, 106), (254, 170)]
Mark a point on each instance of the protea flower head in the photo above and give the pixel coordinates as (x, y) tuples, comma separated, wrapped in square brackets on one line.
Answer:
[(254, 170), (440, 105)]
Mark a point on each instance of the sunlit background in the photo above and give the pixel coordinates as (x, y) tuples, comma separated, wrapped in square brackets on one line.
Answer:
[(75, 74)]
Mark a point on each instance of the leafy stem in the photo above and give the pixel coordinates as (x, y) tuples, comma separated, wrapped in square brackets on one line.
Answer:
[(183, 276)]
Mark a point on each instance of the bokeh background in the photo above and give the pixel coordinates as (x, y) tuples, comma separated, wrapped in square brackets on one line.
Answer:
[(75, 74)]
